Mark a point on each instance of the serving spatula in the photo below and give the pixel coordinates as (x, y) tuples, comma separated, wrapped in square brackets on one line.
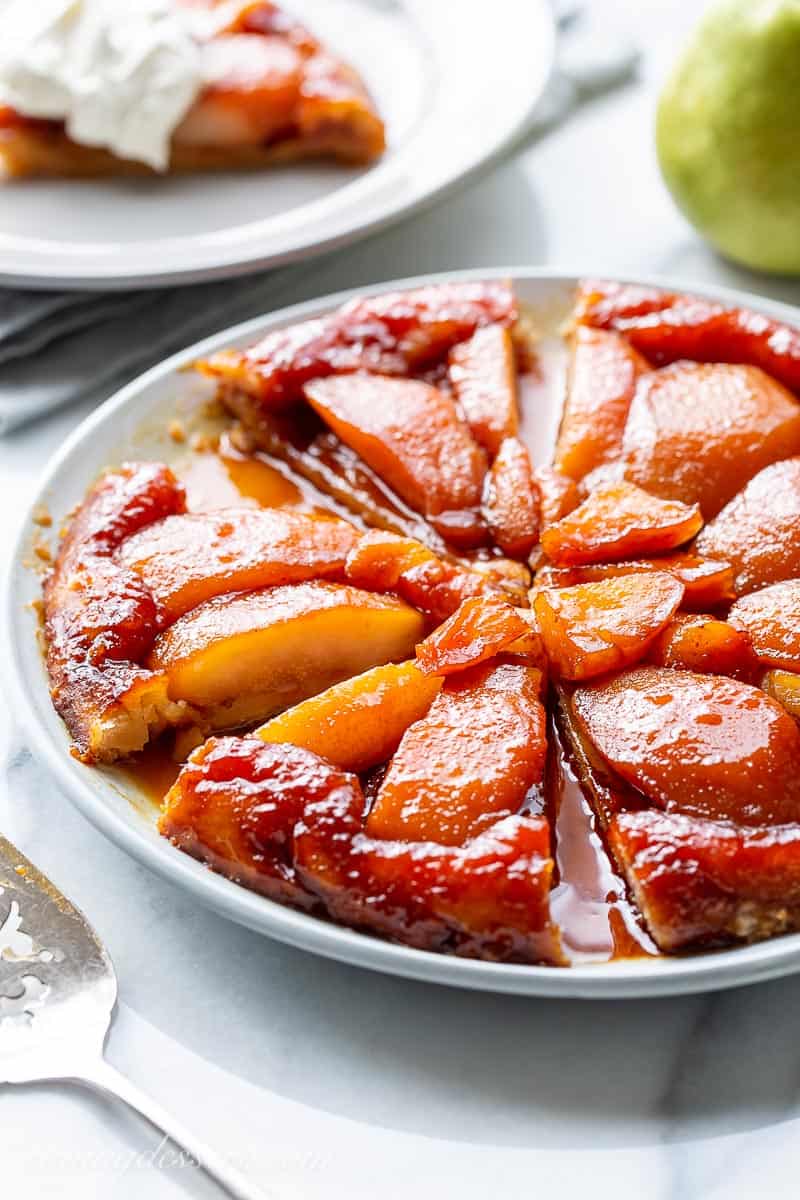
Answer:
[(57, 994)]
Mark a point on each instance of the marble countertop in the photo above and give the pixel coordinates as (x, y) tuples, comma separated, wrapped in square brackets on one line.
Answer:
[(325, 1080)]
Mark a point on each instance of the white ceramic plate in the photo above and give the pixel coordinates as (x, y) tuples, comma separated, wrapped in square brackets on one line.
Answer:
[(131, 424), (455, 82)]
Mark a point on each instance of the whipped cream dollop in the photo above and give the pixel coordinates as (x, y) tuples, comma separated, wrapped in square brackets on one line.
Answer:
[(121, 74)]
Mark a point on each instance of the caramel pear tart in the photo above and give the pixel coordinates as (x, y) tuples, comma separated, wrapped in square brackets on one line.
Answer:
[(397, 680)]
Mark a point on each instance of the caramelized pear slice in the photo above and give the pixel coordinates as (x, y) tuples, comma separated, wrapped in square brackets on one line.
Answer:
[(480, 629), (487, 899), (284, 822), (483, 372), (698, 433), (601, 380), (243, 657), (314, 454), (95, 608), (358, 723), (383, 562), (665, 327), (620, 521), (473, 759), (100, 619), (512, 501), (558, 494), (234, 806), (702, 643), (409, 433), (772, 619), (700, 882), (758, 532), (696, 744), (185, 560), (607, 304), (707, 583), (784, 686), (393, 334), (594, 628)]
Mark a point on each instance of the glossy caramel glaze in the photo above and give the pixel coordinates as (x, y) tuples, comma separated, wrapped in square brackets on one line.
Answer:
[(758, 531), (696, 744), (704, 883), (397, 333), (589, 899), (558, 494), (660, 793), (357, 724), (783, 686), (384, 562), (682, 870), (410, 433), (593, 628), (290, 825), (480, 629), (187, 559), (771, 618), (706, 645), (133, 572), (707, 583), (226, 476), (314, 455), (665, 327), (698, 432), (603, 373), (488, 899), (471, 760), (242, 657), (483, 374), (620, 521), (236, 803), (99, 616), (512, 500)]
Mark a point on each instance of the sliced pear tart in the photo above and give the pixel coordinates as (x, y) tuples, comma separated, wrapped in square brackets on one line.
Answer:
[(422, 692)]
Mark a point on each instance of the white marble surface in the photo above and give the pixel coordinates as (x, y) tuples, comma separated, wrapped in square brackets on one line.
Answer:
[(328, 1081)]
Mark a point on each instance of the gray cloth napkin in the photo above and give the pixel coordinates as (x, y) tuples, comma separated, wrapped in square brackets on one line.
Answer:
[(60, 347), (57, 349)]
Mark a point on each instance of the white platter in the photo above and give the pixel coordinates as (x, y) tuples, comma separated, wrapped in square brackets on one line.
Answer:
[(131, 424), (455, 82)]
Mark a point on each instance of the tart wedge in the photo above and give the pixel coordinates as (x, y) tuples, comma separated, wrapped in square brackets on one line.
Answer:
[(273, 94)]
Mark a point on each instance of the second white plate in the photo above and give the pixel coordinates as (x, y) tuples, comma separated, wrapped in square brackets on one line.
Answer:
[(454, 81)]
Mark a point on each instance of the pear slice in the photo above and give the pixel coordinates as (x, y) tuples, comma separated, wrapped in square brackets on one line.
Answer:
[(359, 722), (783, 686), (185, 560), (620, 521), (483, 372), (771, 617), (471, 761), (757, 531), (593, 628), (601, 380), (244, 657), (409, 433)]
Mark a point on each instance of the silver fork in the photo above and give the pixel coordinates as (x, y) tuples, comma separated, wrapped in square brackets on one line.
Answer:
[(57, 993)]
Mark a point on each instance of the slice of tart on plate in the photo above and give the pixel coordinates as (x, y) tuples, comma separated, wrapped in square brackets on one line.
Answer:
[(210, 85)]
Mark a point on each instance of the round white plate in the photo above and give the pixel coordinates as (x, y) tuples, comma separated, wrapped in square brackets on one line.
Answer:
[(455, 81), (130, 425)]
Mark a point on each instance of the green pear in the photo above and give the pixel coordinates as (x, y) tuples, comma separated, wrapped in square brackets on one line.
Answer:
[(728, 132)]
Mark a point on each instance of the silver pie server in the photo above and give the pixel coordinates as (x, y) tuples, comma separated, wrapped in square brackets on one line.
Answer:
[(57, 994)]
